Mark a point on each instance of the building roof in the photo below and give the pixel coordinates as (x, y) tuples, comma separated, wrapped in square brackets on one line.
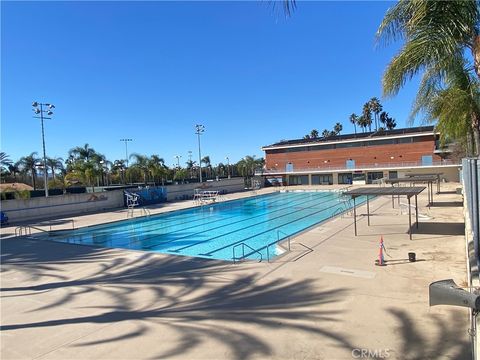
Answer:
[(355, 137)]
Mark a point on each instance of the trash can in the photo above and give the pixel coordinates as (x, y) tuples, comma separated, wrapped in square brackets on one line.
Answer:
[(411, 257)]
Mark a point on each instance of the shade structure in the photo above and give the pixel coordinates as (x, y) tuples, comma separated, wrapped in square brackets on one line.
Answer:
[(423, 179), (386, 191)]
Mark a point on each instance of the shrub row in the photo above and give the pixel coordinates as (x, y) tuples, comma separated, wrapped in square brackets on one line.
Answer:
[(27, 194)]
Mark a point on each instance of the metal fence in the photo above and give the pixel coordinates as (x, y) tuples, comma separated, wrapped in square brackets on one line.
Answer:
[(471, 189)]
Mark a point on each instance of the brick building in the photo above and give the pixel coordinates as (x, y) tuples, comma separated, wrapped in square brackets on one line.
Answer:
[(358, 158)]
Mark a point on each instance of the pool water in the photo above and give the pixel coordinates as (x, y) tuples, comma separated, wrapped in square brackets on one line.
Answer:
[(249, 227)]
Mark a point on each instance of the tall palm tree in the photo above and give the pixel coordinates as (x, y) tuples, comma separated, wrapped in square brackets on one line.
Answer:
[(454, 102), (337, 129), (14, 169), (84, 152), (28, 164), (5, 161), (141, 163), (354, 120), (314, 134), (435, 34), (362, 123), (383, 118), (367, 116), (376, 108), (156, 167), (208, 164), (54, 164), (325, 134)]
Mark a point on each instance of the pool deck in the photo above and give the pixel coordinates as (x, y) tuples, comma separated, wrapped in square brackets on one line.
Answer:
[(324, 300)]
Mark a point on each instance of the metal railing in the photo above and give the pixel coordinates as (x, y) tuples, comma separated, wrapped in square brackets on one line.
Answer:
[(405, 164), (279, 243), (27, 229), (243, 245)]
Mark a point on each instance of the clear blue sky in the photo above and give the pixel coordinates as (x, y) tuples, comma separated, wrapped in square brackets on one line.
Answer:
[(150, 71)]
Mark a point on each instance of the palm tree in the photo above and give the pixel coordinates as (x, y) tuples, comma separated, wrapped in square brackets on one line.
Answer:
[(362, 123), (84, 152), (354, 120), (28, 164), (391, 124), (5, 161), (14, 169), (337, 129), (208, 164), (383, 118), (325, 133), (156, 167), (376, 108), (141, 163), (54, 164), (436, 33), (367, 116), (453, 102), (314, 134)]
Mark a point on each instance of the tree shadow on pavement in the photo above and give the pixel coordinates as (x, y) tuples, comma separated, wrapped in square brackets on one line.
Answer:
[(198, 300), (449, 337)]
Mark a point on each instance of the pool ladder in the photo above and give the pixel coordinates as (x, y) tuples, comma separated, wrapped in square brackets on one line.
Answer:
[(243, 245)]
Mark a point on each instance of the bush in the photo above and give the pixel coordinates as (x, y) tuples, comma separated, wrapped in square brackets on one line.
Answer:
[(22, 194)]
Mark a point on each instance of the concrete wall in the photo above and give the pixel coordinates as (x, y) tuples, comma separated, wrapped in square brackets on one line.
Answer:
[(178, 192), (20, 210)]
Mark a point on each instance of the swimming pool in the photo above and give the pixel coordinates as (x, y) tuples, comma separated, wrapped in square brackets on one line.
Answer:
[(251, 227)]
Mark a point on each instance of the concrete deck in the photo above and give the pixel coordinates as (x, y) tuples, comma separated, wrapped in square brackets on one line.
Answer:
[(323, 300)]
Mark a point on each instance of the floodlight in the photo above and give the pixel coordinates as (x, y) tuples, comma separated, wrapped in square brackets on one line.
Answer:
[(50, 113), (35, 104)]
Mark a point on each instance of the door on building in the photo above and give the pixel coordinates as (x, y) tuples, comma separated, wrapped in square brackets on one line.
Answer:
[(289, 167), (298, 180), (345, 178), (324, 179), (350, 164), (393, 175), (371, 176)]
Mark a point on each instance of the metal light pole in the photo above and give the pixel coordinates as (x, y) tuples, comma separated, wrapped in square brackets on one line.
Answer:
[(190, 162), (38, 109), (228, 166), (199, 130), (126, 149), (178, 157)]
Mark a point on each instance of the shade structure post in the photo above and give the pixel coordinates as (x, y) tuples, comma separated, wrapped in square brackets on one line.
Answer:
[(354, 216), (409, 218), (368, 212), (416, 210)]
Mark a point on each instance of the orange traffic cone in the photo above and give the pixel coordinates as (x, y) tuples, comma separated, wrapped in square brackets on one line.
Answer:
[(381, 260)]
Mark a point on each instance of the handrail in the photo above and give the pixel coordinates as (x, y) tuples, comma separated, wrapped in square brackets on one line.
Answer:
[(243, 252), (288, 238), (29, 228)]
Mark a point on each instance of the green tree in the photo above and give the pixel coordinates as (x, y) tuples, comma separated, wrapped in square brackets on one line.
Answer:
[(5, 161), (337, 129), (28, 164), (376, 109), (54, 164), (436, 33), (367, 116), (454, 101), (325, 134), (314, 134), (142, 163), (84, 152), (354, 120)]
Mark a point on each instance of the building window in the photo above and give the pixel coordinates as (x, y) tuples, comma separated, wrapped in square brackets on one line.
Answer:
[(427, 160), (350, 164), (345, 178), (371, 176), (324, 179), (298, 180)]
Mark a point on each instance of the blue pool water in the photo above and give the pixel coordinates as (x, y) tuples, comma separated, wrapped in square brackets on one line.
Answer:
[(213, 231)]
